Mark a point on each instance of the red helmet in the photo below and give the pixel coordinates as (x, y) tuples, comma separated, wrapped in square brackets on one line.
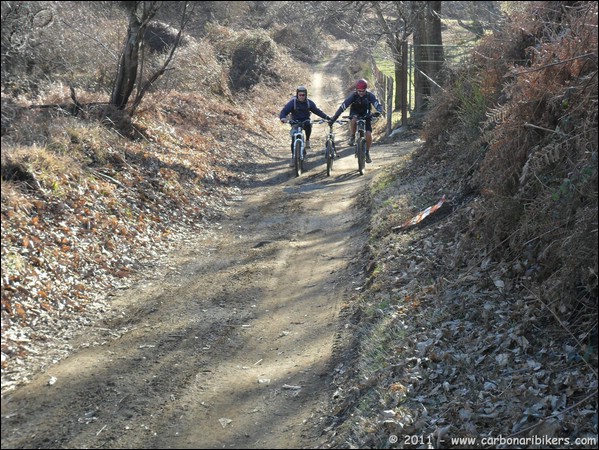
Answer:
[(361, 84)]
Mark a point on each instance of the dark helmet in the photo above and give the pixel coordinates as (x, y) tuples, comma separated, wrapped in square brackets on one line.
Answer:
[(362, 84), (301, 89)]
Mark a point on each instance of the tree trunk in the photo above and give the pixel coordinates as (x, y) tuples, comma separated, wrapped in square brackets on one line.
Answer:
[(421, 85), (396, 52), (128, 63), (428, 51), (436, 53), (403, 83), (399, 76), (140, 13)]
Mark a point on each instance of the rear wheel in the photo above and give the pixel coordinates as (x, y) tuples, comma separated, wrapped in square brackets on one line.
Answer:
[(330, 157), (298, 163)]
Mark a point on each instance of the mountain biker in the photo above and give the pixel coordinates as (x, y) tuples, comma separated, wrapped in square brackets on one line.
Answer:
[(299, 108), (360, 103)]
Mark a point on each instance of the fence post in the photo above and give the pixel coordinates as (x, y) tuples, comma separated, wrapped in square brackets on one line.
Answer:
[(384, 88), (389, 103)]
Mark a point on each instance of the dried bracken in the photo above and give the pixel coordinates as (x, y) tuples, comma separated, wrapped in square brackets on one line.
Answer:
[(483, 323)]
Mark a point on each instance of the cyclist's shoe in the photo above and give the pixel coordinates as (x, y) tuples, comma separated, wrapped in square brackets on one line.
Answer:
[(368, 160), (292, 162), (352, 140), (307, 145)]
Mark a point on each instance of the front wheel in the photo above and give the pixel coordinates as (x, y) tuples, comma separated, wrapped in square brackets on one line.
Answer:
[(330, 157), (361, 155), (298, 162)]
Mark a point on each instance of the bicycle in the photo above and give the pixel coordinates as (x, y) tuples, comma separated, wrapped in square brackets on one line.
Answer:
[(360, 139), (330, 152), (299, 144)]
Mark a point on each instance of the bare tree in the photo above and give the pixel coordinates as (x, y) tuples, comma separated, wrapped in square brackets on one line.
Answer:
[(139, 15), (396, 21), (481, 15), (142, 89), (23, 26), (130, 67), (370, 22)]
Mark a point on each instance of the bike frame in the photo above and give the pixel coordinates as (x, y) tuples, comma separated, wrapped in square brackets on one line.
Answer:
[(360, 149), (360, 138), (299, 144), (330, 152)]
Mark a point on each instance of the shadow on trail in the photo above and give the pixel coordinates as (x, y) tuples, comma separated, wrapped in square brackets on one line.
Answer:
[(273, 168)]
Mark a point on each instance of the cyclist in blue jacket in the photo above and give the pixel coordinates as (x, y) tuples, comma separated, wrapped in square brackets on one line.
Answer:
[(359, 103), (299, 108)]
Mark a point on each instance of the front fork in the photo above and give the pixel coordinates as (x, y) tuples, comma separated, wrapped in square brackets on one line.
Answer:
[(295, 139), (359, 136)]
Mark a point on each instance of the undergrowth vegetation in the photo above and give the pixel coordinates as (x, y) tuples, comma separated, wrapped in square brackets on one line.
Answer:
[(482, 319), (520, 125)]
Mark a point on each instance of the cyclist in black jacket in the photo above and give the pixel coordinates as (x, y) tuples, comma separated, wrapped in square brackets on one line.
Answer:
[(299, 108), (359, 103)]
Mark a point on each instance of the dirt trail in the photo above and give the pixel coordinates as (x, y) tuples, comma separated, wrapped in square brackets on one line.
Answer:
[(236, 347)]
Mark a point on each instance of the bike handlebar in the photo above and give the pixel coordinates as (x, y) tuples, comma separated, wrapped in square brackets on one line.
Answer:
[(365, 116), (330, 123), (299, 122)]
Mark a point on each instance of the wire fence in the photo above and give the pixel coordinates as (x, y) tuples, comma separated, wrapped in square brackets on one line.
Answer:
[(384, 85), (418, 59)]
